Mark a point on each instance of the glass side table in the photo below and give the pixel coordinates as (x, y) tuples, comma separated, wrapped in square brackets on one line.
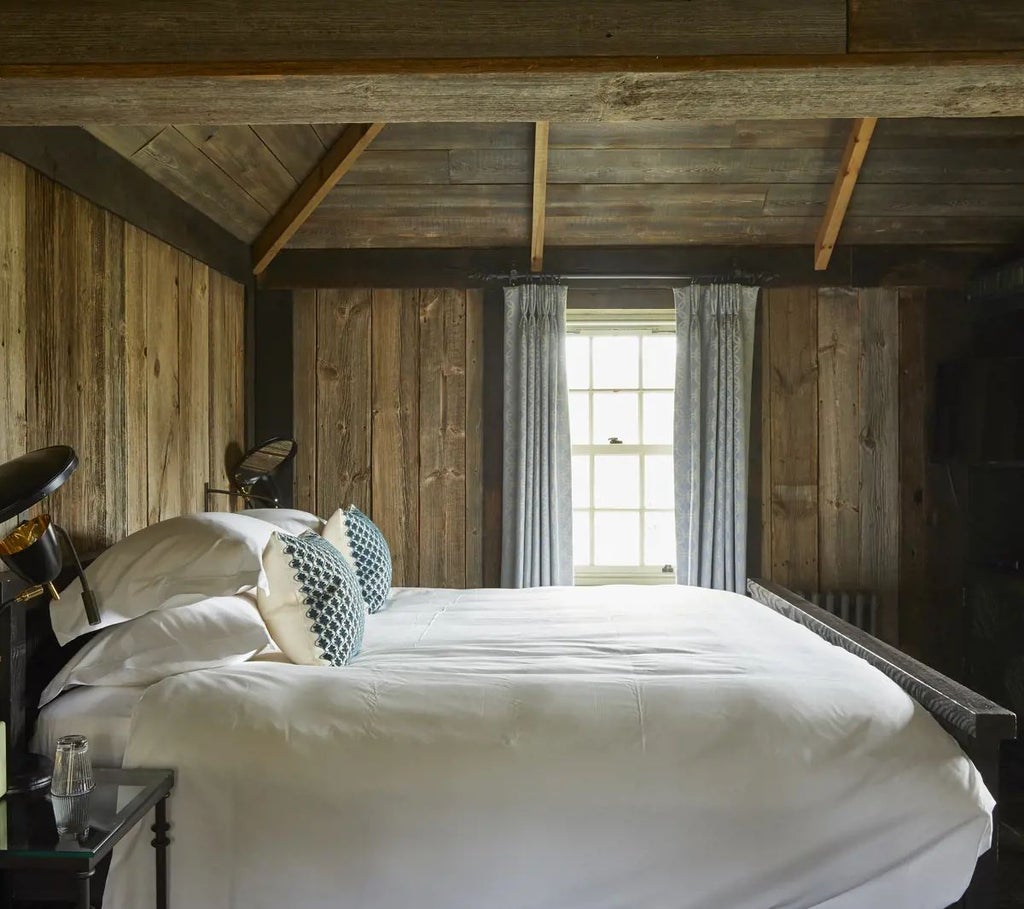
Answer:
[(29, 840)]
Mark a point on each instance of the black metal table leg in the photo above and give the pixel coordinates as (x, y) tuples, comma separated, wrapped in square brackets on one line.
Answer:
[(160, 842), (84, 889)]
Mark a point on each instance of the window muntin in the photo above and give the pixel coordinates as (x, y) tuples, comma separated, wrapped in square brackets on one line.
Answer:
[(621, 371)]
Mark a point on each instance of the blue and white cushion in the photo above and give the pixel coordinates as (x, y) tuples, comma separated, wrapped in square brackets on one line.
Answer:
[(310, 600), (362, 543)]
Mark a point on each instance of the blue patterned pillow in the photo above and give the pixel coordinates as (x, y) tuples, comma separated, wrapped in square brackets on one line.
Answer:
[(362, 543), (310, 600)]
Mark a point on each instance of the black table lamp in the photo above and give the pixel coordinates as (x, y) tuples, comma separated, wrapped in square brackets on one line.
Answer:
[(33, 552)]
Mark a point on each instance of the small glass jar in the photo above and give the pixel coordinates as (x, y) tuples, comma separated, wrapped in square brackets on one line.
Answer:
[(72, 769)]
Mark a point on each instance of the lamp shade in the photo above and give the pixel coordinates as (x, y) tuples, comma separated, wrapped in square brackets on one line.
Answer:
[(32, 477), (32, 551)]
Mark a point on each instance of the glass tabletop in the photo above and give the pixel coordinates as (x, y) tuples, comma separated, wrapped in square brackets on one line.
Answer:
[(28, 821)]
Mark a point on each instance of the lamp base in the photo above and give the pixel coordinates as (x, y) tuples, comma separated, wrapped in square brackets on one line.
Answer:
[(28, 772)]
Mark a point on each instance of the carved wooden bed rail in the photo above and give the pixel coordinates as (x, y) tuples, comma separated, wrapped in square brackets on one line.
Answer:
[(978, 724)]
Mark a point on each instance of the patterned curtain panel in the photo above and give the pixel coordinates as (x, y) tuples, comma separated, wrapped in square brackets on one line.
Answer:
[(537, 497), (714, 367)]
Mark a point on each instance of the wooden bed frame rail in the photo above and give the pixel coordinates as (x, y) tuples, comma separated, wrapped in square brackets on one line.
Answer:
[(979, 725)]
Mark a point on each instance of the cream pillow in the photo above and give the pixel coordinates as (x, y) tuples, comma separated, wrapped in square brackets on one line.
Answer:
[(309, 598)]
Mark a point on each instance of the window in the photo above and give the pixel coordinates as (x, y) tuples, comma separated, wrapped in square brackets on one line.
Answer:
[(621, 370)]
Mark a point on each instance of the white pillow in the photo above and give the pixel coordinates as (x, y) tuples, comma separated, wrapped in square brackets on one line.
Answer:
[(172, 563), (310, 599), (213, 632), (290, 520)]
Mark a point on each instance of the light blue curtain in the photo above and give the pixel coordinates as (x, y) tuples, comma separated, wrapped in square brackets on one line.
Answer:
[(714, 369), (537, 493)]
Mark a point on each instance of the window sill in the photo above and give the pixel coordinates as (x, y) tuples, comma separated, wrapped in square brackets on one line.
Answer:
[(588, 577)]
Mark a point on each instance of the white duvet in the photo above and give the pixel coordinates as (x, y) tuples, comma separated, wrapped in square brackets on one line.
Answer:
[(586, 748)]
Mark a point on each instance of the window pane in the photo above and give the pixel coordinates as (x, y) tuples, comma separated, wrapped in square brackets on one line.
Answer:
[(616, 538), (617, 481), (579, 418), (581, 481), (659, 538), (577, 361), (658, 417), (617, 362), (660, 361), (581, 538), (616, 416), (658, 481)]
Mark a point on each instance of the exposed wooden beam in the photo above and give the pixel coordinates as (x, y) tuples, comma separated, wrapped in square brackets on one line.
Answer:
[(540, 193), (318, 183), (842, 190), (570, 89), (782, 266), (112, 30)]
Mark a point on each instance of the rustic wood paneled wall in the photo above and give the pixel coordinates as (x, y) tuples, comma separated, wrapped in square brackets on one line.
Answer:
[(935, 326), (388, 413), (119, 345), (843, 425)]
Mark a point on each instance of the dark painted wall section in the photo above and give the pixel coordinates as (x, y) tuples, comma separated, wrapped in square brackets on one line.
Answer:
[(272, 380)]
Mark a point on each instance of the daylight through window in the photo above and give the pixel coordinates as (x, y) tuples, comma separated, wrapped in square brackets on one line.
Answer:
[(621, 371)]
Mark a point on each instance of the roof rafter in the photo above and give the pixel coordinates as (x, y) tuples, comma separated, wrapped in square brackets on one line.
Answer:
[(540, 194), (842, 190), (335, 163)]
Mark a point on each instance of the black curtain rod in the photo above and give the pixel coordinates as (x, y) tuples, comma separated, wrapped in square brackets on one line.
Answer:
[(514, 277)]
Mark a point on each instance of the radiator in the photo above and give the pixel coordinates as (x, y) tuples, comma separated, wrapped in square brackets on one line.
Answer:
[(858, 607)]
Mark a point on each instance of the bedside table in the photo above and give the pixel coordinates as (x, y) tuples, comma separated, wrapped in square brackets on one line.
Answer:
[(28, 831)]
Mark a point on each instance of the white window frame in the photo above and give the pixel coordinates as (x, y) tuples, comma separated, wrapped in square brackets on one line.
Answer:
[(611, 322)]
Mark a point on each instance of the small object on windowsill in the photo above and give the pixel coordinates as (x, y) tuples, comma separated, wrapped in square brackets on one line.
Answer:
[(614, 440)]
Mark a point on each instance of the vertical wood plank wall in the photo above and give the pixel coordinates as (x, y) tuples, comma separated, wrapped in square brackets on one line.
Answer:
[(388, 408), (119, 345), (389, 403), (843, 439)]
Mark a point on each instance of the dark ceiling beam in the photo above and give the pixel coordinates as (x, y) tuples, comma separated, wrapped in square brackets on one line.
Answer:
[(336, 162), (79, 161), (569, 89), (107, 31), (779, 265)]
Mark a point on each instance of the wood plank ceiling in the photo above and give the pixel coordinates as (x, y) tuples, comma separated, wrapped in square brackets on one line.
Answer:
[(761, 182)]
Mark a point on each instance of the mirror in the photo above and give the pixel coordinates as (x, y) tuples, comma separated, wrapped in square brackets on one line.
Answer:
[(254, 473), (263, 461)]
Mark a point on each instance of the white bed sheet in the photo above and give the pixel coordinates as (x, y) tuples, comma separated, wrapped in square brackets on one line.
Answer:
[(587, 748), (102, 714)]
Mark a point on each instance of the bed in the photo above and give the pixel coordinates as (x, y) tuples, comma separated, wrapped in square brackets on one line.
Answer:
[(573, 747)]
